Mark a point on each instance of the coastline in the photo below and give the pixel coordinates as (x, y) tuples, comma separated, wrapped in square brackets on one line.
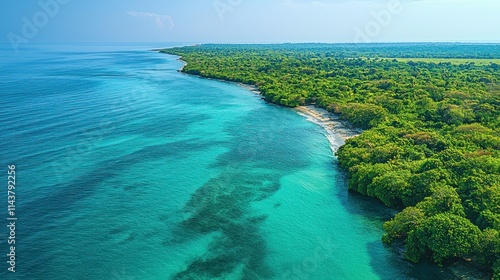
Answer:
[(336, 130), (184, 64), (251, 88)]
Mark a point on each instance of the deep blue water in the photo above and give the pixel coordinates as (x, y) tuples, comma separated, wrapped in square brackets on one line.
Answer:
[(128, 169)]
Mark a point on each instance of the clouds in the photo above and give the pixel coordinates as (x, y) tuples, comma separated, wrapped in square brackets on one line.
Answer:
[(160, 20)]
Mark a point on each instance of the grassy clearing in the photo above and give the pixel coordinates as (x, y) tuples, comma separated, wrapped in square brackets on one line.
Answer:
[(455, 61)]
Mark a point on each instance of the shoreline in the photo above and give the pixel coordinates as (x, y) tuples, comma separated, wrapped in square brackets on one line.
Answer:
[(337, 131), (184, 64), (252, 88)]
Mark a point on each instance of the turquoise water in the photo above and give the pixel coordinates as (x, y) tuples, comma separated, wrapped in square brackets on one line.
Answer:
[(128, 169)]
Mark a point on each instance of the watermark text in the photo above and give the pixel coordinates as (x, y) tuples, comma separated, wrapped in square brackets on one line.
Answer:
[(11, 219)]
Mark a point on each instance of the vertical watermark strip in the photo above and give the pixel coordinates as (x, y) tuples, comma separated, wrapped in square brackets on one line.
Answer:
[(11, 218)]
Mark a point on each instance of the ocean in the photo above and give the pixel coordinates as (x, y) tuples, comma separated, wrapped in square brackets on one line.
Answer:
[(128, 169)]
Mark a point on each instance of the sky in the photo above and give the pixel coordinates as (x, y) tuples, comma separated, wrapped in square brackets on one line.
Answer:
[(249, 21)]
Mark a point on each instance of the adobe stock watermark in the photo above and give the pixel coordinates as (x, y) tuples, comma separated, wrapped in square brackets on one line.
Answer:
[(11, 217), (380, 20), (309, 265), (122, 275), (224, 6), (31, 26)]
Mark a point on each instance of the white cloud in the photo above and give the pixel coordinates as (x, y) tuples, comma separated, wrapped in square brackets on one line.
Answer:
[(160, 20)]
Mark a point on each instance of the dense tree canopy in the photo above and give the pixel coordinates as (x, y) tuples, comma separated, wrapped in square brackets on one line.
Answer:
[(431, 145)]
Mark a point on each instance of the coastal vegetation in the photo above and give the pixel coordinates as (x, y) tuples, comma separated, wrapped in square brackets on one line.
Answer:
[(431, 144)]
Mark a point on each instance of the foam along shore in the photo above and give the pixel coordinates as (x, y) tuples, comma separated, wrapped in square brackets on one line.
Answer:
[(337, 130), (251, 88)]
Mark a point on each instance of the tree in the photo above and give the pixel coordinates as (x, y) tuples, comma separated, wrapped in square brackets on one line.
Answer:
[(443, 199), (390, 186), (443, 236), (403, 223)]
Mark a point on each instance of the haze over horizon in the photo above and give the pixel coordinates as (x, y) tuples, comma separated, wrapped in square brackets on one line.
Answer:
[(245, 21)]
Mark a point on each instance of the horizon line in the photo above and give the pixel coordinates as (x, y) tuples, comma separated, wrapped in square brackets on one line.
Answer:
[(264, 43)]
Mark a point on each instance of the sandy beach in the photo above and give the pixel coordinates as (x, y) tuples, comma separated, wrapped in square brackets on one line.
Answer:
[(185, 64), (251, 88), (337, 130)]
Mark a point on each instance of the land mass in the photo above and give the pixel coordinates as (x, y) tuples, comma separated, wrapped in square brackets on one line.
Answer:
[(430, 145)]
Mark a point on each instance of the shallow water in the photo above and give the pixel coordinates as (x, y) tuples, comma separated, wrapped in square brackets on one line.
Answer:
[(128, 169)]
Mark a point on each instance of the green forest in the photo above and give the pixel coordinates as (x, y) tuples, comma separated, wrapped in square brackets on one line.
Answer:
[(431, 141)]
